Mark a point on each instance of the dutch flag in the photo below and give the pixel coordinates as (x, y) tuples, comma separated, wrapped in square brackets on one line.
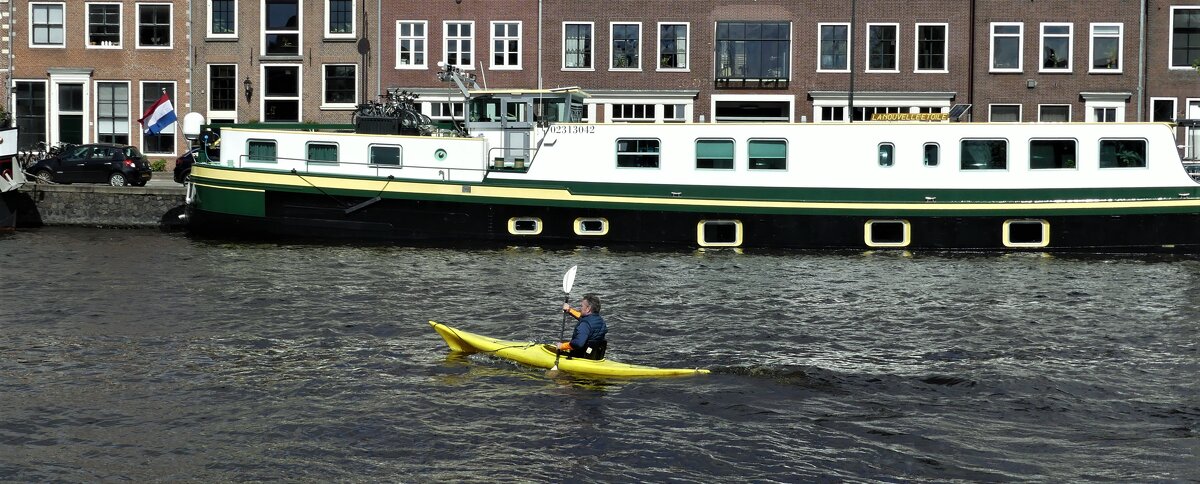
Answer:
[(158, 116)]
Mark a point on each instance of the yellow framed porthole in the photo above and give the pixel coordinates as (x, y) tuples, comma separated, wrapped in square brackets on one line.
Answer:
[(1026, 233), (525, 226), (591, 226), (887, 233), (719, 233)]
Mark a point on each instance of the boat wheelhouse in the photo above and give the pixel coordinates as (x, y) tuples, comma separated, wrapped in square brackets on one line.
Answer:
[(507, 176)]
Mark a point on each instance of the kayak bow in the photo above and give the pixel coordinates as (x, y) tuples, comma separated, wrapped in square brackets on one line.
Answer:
[(543, 355)]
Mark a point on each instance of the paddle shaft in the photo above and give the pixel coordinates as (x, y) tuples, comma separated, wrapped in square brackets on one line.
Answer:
[(561, 331)]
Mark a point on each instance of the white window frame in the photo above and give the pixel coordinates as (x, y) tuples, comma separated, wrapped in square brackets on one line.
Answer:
[(1174, 107), (1120, 48), (339, 106), (424, 38), (592, 27), (446, 42), (612, 50), (1020, 35), (137, 38), (63, 8), (895, 49), (211, 114), (1042, 46), (1171, 38), (353, 34), (169, 129), (687, 47), (87, 26), (1070, 112), (651, 112), (917, 48), (128, 111), (208, 27), (520, 45), (1020, 112), (263, 33), (262, 91), (849, 40)]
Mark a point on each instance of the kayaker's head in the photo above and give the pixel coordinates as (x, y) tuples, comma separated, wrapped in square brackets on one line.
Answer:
[(590, 304)]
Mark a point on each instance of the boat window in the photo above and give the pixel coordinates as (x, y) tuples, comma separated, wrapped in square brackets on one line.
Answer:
[(261, 151), (322, 152), (591, 226), (719, 233), (485, 109), (637, 153), (385, 155), (1051, 154), (887, 233), (525, 226), (887, 152), (1026, 233), (931, 154), (716, 154), (1122, 153), (984, 154), (768, 154)]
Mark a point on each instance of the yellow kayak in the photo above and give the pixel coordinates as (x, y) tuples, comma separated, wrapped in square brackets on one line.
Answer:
[(542, 356)]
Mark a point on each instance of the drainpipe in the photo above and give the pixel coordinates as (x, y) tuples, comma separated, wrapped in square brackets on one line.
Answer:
[(191, 53), (1141, 82), (971, 64), (379, 39), (8, 84), (850, 61), (539, 54)]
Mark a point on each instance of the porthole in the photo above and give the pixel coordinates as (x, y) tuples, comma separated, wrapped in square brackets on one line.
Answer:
[(525, 226), (719, 233), (591, 226), (887, 233), (1026, 233)]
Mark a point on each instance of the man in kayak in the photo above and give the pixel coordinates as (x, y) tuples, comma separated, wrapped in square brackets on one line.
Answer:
[(590, 338)]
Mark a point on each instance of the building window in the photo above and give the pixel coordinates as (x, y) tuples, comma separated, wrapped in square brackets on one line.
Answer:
[(385, 155), (833, 113), (154, 25), (833, 41), (506, 45), (281, 94), (1051, 154), (164, 141), (1004, 113), (1104, 115), (459, 46), (672, 46), (46, 25), (1054, 113), (261, 151), (626, 46), (1185, 37), (30, 113), (104, 25), (410, 44), (1162, 110), (340, 18), (768, 154), (931, 47), (882, 44), (932, 153), (577, 46), (1122, 153), (341, 85), (1006, 47), (714, 154), (322, 152), (222, 87), (222, 15), (112, 112), (1106, 48), (984, 154), (1056, 48), (753, 51), (674, 113), (637, 153), (448, 110), (281, 27), (633, 112)]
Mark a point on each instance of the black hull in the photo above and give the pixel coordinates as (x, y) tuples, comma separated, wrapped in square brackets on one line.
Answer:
[(423, 221)]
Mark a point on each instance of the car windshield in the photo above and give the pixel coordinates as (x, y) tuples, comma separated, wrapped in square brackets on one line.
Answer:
[(131, 152)]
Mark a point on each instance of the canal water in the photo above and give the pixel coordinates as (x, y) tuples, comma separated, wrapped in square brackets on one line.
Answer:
[(140, 355)]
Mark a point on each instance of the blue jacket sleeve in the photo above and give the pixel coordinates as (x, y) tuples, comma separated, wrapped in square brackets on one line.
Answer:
[(583, 331)]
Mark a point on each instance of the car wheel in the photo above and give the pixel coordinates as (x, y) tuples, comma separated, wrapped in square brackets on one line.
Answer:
[(116, 180), (44, 176)]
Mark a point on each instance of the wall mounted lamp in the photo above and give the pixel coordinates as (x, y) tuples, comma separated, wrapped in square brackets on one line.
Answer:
[(249, 88)]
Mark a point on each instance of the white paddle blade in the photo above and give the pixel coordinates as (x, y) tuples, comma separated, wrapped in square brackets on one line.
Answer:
[(569, 279)]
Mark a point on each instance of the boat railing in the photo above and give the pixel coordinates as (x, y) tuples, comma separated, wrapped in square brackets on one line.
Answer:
[(510, 159), (377, 170)]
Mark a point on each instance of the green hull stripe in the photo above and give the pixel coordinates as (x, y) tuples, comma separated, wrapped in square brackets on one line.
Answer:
[(251, 203)]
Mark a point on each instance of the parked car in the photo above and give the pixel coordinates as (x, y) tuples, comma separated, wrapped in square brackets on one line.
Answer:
[(1193, 169), (117, 165), (183, 165)]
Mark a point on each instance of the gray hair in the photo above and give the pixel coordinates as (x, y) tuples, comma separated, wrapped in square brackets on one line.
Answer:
[(593, 301)]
